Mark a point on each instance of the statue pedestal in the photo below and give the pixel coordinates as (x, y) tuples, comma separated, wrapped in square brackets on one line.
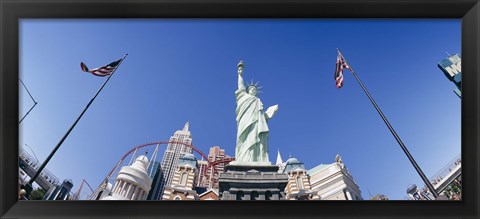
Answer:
[(252, 182)]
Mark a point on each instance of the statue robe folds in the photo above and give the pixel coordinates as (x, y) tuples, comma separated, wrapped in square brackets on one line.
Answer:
[(252, 130)]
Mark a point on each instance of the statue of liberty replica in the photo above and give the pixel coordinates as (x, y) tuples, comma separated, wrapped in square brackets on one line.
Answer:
[(251, 176), (252, 128)]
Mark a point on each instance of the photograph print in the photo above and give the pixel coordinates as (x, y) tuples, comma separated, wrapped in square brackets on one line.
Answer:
[(240, 109)]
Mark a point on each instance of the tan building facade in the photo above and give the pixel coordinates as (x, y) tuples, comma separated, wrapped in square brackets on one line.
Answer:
[(200, 180), (334, 182), (298, 186), (182, 187)]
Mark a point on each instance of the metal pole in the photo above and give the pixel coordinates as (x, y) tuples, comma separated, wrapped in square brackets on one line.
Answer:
[(133, 156), (404, 148), (154, 158), (71, 128)]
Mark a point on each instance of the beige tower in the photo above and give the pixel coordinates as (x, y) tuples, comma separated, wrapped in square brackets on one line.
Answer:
[(201, 179), (298, 186), (174, 151), (182, 187)]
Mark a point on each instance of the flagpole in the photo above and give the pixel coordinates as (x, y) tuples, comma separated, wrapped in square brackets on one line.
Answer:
[(404, 148), (30, 182)]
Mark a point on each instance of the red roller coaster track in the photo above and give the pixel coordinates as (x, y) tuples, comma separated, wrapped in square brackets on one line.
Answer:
[(77, 194), (215, 163), (210, 164)]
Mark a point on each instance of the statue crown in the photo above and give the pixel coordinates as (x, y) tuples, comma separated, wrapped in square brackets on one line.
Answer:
[(251, 84)]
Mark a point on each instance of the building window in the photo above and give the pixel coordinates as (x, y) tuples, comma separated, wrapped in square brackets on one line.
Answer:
[(240, 196), (183, 179), (299, 183), (268, 195), (254, 196)]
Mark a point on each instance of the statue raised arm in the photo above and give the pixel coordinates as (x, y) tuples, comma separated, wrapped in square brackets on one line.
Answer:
[(241, 84)]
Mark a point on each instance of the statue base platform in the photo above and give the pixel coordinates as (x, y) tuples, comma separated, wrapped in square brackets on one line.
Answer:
[(239, 163), (252, 182)]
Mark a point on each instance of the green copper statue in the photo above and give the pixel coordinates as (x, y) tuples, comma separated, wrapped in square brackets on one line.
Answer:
[(252, 128)]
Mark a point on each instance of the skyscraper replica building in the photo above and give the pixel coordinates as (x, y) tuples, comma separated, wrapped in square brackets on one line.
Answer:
[(182, 186), (334, 182), (201, 180), (208, 178), (132, 182), (173, 153)]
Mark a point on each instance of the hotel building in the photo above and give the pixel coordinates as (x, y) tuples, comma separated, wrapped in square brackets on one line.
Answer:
[(173, 153)]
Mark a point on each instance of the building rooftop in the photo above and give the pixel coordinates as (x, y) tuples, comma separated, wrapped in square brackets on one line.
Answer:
[(188, 159), (317, 169), (293, 160)]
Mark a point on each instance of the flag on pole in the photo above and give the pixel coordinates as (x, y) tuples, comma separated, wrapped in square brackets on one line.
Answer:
[(101, 71), (340, 65)]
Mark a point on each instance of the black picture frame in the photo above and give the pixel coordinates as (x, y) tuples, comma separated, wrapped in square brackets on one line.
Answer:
[(11, 11)]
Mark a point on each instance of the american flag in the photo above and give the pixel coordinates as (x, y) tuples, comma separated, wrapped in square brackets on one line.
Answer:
[(101, 71), (340, 65)]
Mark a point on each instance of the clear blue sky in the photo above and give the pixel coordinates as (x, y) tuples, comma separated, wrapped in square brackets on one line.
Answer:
[(181, 70)]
